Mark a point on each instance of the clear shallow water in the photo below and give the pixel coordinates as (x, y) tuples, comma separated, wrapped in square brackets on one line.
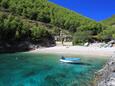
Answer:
[(30, 69)]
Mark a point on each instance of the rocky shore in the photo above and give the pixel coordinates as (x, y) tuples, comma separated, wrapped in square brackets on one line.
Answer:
[(22, 46), (106, 76)]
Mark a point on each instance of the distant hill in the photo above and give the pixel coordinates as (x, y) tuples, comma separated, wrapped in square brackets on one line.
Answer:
[(109, 21)]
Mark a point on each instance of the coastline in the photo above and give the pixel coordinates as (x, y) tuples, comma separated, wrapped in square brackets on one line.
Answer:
[(77, 50), (106, 76)]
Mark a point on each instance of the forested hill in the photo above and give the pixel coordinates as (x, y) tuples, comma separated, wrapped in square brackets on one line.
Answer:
[(35, 22), (27, 22), (109, 32), (109, 21), (44, 11)]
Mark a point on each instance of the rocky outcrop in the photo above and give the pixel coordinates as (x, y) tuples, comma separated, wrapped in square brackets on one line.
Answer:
[(106, 76), (6, 47)]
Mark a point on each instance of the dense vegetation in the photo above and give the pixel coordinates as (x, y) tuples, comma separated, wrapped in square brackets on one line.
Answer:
[(88, 33), (38, 21), (41, 10), (108, 33), (110, 21), (45, 12), (14, 30)]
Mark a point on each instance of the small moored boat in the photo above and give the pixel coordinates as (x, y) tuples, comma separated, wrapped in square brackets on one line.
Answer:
[(70, 60)]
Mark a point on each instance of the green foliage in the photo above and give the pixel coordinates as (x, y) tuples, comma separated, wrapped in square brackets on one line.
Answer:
[(13, 29), (38, 33), (93, 27), (110, 21), (107, 34), (5, 4), (88, 33), (81, 37), (52, 18), (44, 11)]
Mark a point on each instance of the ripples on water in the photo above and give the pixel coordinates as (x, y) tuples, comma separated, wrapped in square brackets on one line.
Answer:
[(28, 69)]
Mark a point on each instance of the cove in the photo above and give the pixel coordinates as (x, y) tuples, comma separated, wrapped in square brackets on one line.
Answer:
[(32, 69)]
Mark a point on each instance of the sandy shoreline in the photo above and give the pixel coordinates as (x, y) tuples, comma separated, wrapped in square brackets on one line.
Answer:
[(77, 50)]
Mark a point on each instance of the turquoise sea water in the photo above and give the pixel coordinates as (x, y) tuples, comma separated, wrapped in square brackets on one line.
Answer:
[(30, 69)]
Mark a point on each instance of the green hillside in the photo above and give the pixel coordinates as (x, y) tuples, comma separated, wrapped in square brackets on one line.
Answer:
[(38, 21), (44, 11), (109, 21), (109, 32)]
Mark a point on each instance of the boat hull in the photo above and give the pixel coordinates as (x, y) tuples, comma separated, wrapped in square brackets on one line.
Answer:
[(69, 61)]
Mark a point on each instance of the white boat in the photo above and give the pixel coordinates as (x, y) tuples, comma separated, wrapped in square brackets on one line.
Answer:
[(70, 60)]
